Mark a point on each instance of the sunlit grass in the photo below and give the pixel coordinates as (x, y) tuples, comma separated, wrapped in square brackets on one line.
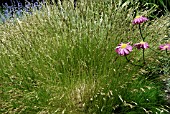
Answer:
[(64, 61)]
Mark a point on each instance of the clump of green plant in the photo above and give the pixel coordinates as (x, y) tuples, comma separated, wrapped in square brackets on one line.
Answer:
[(65, 62)]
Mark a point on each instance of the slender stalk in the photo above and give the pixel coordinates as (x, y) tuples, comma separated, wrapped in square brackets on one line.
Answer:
[(166, 51), (127, 59), (143, 56), (143, 39), (141, 33)]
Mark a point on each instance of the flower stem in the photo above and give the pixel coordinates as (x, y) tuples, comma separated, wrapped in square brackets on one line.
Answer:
[(141, 33), (131, 62), (143, 41), (166, 51), (127, 59), (143, 56)]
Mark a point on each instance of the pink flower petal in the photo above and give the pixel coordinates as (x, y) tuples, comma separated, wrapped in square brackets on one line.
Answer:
[(123, 49), (139, 20)]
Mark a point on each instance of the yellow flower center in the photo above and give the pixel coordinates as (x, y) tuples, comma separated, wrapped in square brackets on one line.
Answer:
[(142, 42), (138, 16), (123, 46), (165, 47)]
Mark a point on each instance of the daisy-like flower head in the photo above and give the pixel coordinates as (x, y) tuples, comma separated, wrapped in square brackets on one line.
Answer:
[(164, 47), (139, 20), (143, 45), (123, 49)]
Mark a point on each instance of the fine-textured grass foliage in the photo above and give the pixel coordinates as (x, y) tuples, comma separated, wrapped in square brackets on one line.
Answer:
[(64, 61)]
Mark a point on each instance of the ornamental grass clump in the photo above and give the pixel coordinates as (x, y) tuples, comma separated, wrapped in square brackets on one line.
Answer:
[(63, 63)]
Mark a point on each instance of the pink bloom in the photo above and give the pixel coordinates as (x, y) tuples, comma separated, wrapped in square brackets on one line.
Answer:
[(142, 45), (164, 47), (139, 20), (123, 49)]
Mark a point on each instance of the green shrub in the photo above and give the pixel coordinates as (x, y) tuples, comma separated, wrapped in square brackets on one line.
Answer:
[(65, 62)]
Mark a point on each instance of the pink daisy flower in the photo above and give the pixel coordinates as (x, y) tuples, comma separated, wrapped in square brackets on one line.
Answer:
[(123, 49), (139, 20), (164, 47), (143, 45)]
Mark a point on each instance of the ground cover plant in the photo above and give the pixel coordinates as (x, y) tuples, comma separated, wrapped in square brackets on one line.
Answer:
[(64, 61)]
